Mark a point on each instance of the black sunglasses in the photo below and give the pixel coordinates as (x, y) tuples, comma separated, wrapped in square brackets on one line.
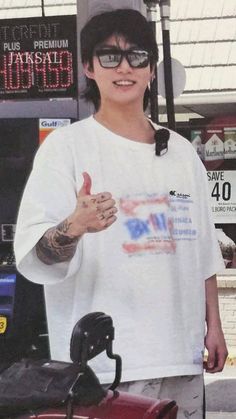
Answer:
[(112, 57)]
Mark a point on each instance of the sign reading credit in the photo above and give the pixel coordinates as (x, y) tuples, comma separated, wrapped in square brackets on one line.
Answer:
[(38, 57)]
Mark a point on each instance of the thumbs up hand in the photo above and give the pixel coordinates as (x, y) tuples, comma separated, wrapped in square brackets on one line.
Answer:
[(93, 213), (86, 187)]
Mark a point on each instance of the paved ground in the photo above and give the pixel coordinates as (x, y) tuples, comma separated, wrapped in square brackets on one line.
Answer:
[(221, 394), (220, 415)]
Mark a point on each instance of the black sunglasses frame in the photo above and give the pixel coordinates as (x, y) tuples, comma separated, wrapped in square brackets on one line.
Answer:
[(123, 54)]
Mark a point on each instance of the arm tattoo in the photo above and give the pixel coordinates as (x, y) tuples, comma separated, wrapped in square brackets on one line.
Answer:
[(56, 246)]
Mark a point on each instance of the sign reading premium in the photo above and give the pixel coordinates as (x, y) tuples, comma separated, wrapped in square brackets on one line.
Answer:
[(38, 57)]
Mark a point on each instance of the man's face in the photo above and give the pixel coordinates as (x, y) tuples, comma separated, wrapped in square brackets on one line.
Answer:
[(119, 81)]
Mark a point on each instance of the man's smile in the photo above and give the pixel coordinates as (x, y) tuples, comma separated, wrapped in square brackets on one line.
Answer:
[(124, 82)]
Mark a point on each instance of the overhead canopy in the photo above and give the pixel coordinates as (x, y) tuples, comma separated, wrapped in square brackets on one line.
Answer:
[(203, 39)]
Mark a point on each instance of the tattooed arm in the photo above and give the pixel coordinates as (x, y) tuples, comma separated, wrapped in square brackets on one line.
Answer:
[(93, 213), (56, 246)]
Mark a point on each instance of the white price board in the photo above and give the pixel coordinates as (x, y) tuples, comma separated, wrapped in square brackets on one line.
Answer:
[(222, 186)]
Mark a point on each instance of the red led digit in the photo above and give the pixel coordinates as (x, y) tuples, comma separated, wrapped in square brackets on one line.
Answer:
[(40, 73), (26, 71), (53, 71), (3, 72), (13, 72), (46, 71), (65, 58)]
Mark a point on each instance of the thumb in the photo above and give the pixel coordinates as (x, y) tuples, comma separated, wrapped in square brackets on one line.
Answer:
[(86, 187), (211, 358)]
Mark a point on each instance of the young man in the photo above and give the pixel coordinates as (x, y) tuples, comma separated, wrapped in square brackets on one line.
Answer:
[(107, 225)]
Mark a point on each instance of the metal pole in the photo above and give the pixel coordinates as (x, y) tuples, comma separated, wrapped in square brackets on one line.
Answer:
[(42, 6), (165, 23), (152, 19)]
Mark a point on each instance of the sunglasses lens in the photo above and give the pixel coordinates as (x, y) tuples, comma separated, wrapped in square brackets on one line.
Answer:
[(112, 58), (109, 59), (138, 59)]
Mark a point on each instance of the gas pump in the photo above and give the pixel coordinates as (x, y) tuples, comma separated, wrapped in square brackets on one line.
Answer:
[(22, 313)]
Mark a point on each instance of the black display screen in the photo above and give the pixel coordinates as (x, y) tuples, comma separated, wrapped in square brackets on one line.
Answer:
[(38, 57), (19, 139)]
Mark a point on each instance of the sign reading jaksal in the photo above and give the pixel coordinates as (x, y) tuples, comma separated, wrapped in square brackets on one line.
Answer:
[(38, 57)]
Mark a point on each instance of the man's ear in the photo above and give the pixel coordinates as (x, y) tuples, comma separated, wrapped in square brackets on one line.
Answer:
[(88, 71)]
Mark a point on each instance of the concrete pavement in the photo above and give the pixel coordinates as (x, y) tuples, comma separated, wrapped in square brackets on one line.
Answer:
[(220, 415), (221, 394)]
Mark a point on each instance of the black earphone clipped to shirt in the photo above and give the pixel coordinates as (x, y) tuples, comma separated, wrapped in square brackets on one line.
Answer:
[(161, 139)]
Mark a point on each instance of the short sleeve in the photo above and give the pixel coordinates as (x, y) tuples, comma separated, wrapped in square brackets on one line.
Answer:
[(49, 197)]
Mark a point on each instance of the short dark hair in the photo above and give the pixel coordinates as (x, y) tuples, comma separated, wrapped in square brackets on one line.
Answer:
[(128, 23)]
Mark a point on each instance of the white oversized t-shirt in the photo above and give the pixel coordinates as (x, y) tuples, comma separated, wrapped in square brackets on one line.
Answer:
[(147, 270)]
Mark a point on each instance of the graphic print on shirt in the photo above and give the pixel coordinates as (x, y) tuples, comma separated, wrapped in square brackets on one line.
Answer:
[(154, 223), (183, 226)]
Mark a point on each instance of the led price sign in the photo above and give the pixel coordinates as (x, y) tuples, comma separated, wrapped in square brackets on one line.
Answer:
[(38, 57)]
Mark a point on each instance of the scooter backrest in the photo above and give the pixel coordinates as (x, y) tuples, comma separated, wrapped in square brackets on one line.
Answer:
[(92, 335)]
